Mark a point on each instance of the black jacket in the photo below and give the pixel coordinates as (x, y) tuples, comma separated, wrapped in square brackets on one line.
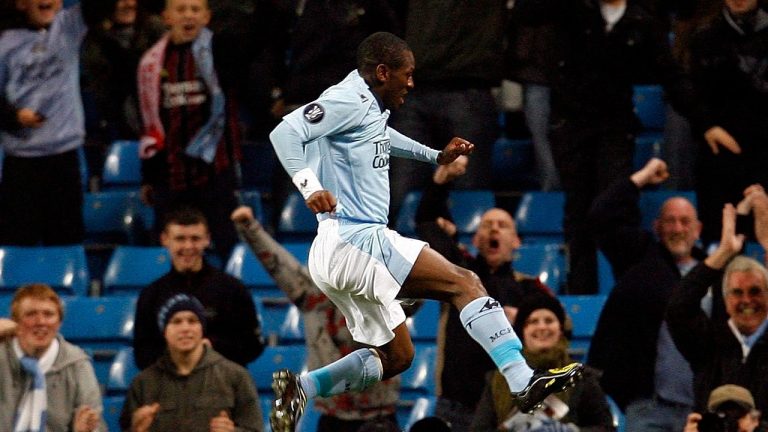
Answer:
[(710, 346), (595, 70), (231, 322), (626, 337), (729, 73)]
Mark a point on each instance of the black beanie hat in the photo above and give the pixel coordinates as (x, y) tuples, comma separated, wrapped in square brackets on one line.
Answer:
[(177, 303), (534, 302)]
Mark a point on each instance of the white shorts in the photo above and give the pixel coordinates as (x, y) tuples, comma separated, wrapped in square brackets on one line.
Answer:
[(361, 268)]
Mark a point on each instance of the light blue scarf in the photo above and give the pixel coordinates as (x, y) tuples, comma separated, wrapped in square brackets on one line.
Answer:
[(32, 411), (204, 143)]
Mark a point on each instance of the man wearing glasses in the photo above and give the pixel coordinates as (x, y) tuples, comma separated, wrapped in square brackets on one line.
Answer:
[(732, 350)]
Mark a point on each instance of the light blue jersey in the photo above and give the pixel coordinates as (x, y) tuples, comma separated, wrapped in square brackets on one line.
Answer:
[(342, 140), (39, 69)]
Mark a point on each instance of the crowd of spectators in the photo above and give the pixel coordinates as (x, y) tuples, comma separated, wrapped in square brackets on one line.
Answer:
[(195, 80)]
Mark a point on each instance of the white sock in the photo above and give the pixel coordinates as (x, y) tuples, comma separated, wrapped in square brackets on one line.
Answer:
[(486, 322), (354, 372)]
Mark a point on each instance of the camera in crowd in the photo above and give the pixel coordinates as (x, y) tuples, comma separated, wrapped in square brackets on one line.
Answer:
[(724, 419)]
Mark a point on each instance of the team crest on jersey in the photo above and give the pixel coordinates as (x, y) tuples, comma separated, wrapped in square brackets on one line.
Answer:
[(314, 112)]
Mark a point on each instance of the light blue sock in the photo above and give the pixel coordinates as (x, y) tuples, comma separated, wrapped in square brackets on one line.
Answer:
[(354, 372), (486, 322)]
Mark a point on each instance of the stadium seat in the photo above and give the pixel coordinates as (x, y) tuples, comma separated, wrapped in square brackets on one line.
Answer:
[(308, 421), (539, 217), (297, 222), (419, 379), (114, 217), (423, 325), (122, 166), (466, 207), (406, 216), (647, 146), (584, 311), (113, 407), (132, 268), (281, 320), (103, 326), (292, 357), (5, 304), (543, 260), (122, 373), (243, 265), (754, 250), (619, 421), (649, 106), (651, 201), (514, 166), (62, 267), (421, 408), (252, 199)]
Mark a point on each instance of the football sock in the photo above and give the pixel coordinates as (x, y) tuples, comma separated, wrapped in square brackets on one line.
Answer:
[(485, 320)]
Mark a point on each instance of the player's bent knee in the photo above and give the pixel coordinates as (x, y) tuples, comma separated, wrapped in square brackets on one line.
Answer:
[(471, 286)]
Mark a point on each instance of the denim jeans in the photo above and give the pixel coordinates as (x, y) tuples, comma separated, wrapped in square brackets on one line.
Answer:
[(536, 109), (651, 415)]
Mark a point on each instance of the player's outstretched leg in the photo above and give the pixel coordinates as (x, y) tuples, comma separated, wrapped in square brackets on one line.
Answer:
[(485, 320), (356, 371)]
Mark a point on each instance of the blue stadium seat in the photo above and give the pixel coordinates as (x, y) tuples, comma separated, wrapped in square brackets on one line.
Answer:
[(292, 357), (604, 274), (406, 216), (122, 166), (265, 400), (423, 325), (649, 105), (619, 421), (584, 311), (539, 217), (647, 146), (651, 201), (5, 304), (62, 267), (113, 406), (243, 265), (308, 421), (281, 320), (543, 260), (514, 166), (252, 199), (466, 207), (754, 250), (297, 222), (421, 407), (115, 216), (102, 326), (419, 379), (132, 268), (122, 373)]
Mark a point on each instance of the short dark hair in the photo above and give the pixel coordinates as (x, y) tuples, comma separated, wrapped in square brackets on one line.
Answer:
[(184, 215), (381, 48)]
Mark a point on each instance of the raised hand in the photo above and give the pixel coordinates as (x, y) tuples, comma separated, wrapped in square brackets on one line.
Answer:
[(455, 148), (653, 173), (717, 137), (730, 242), (449, 172)]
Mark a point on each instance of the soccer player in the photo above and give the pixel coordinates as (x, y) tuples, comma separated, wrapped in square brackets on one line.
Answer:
[(336, 150)]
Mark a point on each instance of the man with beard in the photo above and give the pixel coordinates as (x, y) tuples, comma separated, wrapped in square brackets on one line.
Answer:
[(732, 350), (642, 370)]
